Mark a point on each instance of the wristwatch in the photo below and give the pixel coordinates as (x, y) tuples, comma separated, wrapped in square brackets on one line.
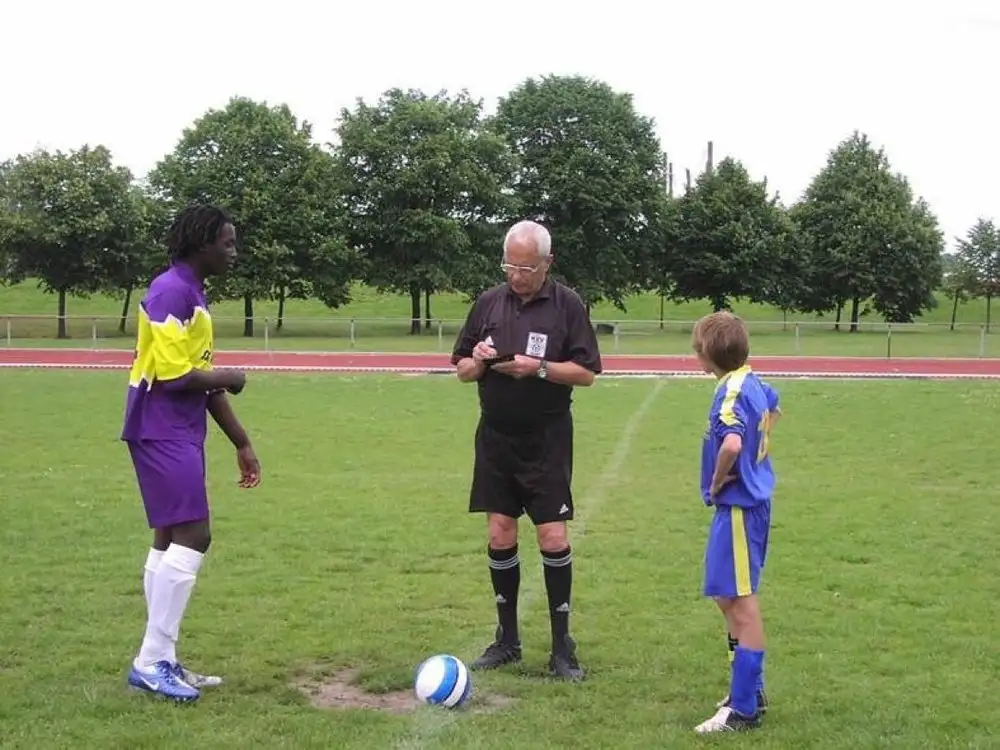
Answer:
[(542, 371)]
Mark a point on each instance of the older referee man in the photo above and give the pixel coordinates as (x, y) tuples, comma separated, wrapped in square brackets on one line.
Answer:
[(527, 343)]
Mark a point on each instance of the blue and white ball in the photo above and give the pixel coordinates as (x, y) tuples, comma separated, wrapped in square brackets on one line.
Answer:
[(442, 680)]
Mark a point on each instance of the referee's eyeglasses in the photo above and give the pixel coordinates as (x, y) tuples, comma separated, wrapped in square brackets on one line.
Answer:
[(525, 270)]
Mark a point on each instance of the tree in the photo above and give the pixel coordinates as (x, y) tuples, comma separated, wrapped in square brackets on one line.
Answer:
[(657, 275), (590, 169), (312, 259), (731, 241), (908, 270), (979, 256), (8, 206), (786, 281), (958, 281), (258, 162), (424, 180), (857, 227), (140, 255), (65, 221)]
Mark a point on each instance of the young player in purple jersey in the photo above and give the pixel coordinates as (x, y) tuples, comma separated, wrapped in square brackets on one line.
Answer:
[(172, 388)]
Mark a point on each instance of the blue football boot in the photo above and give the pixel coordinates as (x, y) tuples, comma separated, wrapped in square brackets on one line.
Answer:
[(163, 681), (194, 679)]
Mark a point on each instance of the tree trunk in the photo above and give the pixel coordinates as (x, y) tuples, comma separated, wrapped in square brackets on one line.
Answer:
[(427, 309), (954, 310), (855, 309), (989, 297), (61, 329), (248, 316), (125, 305), (840, 310), (281, 308), (414, 309), (662, 296), (719, 303), (784, 320)]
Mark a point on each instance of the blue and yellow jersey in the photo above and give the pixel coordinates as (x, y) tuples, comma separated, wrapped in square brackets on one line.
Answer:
[(743, 405), (174, 338)]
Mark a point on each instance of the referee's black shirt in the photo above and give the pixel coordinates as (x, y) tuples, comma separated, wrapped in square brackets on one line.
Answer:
[(552, 326)]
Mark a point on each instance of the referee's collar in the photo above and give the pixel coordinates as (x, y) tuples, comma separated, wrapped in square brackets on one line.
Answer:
[(544, 293)]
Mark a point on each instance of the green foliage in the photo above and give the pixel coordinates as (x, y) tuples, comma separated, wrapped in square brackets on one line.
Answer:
[(68, 220), (862, 236), (417, 193), (979, 262), (589, 168), (731, 241), (424, 182), (9, 272), (909, 270), (979, 259), (140, 255), (259, 162)]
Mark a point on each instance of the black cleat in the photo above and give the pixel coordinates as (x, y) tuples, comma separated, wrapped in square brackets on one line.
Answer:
[(563, 663), (762, 703), (498, 653), (728, 720)]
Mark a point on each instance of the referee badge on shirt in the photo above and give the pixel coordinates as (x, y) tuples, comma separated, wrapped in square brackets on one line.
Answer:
[(537, 343)]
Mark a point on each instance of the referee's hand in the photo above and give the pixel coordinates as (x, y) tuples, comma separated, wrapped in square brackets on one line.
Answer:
[(483, 351)]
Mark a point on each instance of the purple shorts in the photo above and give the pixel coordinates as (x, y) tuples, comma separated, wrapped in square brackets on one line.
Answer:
[(171, 475)]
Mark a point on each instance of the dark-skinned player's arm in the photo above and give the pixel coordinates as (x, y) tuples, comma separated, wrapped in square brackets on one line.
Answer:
[(224, 416), (208, 380)]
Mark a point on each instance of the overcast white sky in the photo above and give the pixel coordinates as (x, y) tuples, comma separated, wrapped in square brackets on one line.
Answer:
[(775, 83)]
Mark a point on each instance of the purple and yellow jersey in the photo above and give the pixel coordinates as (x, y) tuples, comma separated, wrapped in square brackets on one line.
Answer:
[(174, 338), (742, 405)]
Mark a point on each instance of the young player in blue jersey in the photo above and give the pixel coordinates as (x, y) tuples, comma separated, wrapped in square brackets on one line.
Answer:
[(737, 479)]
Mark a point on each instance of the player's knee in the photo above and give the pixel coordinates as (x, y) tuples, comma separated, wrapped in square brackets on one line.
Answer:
[(196, 536), (162, 538), (502, 531), (744, 611), (552, 537)]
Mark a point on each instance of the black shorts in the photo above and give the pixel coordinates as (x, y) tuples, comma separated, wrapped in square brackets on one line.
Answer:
[(518, 472)]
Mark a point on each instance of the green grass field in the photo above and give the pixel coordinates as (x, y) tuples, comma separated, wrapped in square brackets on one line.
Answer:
[(356, 552), (381, 323)]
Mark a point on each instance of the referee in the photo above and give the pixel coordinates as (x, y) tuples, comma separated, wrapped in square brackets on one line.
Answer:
[(541, 332)]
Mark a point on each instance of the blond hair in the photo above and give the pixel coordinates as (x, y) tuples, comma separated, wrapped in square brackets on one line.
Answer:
[(722, 339)]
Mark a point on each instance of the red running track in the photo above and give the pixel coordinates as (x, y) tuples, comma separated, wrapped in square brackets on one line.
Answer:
[(427, 363)]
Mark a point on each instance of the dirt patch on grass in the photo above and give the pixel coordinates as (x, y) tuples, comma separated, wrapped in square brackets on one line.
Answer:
[(339, 690)]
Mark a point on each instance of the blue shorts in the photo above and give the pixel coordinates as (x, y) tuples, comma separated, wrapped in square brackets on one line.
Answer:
[(737, 547)]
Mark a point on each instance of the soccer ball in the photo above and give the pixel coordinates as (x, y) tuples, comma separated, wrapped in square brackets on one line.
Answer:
[(442, 680)]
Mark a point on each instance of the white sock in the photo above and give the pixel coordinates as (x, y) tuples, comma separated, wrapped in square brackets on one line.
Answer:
[(152, 563), (171, 590)]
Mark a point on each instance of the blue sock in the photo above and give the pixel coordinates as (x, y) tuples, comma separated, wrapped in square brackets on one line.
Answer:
[(733, 643), (748, 666)]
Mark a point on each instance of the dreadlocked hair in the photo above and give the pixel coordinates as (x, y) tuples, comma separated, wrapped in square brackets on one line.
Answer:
[(195, 227)]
